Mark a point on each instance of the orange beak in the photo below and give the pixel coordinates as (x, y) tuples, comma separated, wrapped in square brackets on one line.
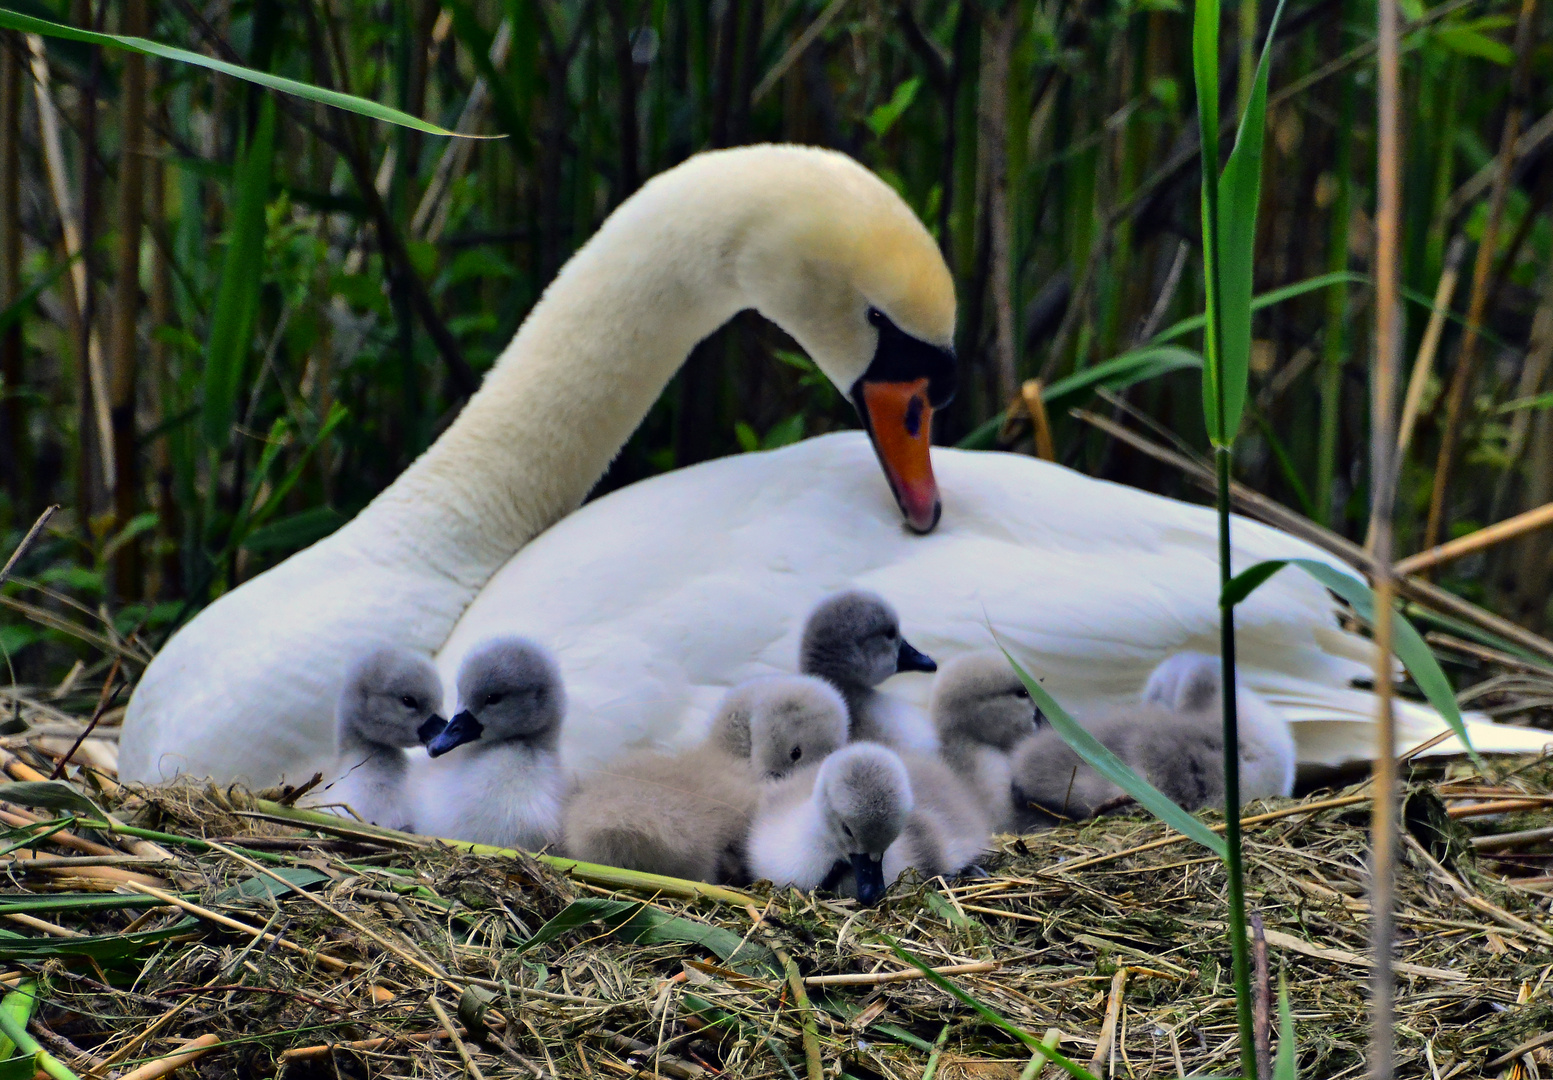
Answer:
[(899, 418)]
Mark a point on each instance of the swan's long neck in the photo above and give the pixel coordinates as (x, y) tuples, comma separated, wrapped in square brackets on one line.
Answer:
[(576, 380)]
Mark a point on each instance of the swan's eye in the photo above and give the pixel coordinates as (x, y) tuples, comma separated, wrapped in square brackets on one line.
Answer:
[(494, 699), (409, 702), (875, 316), (796, 753)]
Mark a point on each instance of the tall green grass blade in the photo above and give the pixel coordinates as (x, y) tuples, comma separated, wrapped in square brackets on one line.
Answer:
[(1108, 765), (1205, 72), (1122, 371), (992, 1016), (1240, 192), (242, 272), (1272, 296), (12, 20), (1284, 1065), (1407, 642)]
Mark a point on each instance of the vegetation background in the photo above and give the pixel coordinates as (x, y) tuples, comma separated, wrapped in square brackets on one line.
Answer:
[(227, 320)]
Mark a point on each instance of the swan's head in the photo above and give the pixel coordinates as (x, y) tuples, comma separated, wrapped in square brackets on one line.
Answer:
[(837, 259), (979, 698), (853, 639), (864, 797), (509, 690), (390, 698)]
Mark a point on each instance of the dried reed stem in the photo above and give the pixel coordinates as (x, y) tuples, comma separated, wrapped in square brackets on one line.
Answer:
[(27, 542), (458, 1042), (1509, 529), (877, 977), (1423, 365), (189, 1052)]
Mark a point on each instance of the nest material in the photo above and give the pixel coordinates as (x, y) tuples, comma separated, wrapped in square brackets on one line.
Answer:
[(405, 957)]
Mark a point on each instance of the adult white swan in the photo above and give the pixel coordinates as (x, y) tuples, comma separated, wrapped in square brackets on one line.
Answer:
[(807, 237)]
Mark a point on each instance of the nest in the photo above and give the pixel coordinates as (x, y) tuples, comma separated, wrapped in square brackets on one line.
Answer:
[(234, 934)]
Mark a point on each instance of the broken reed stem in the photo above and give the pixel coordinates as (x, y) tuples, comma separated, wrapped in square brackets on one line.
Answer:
[(27, 542), (811, 1037), (458, 1043), (1423, 365), (1508, 529), (301, 1053), (189, 1052), (1262, 1007), (1113, 1011), (1383, 461), (878, 977)]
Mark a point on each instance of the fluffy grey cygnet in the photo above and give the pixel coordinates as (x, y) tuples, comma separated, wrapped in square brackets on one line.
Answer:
[(1173, 738), (501, 782), (853, 641), (390, 702), (982, 712), (687, 814)]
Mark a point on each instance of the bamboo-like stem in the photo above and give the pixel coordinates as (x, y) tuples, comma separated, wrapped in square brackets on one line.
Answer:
[(1509, 529), (122, 340), (1383, 463), (1466, 361), (1423, 366)]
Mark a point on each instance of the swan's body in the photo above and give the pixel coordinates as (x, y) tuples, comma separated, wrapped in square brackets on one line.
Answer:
[(982, 711), (1089, 584), (807, 237), (389, 703), (495, 776), (687, 814), (853, 641), (1173, 738)]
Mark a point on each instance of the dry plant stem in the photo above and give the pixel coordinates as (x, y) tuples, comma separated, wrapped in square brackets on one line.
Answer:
[(302, 1053), (190, 1052), (233, 924), (876, 978), (1030, 392), (27, 542), (1383, 458), (1466, 362), (122, 340), (110, 693), (1259, 506), (811, 1039), (1509, 529), (1423, 366), (1263, 1005), (458, 1043), (1113, 1011)]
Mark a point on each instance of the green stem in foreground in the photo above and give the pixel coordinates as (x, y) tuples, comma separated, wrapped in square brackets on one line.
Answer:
[(1240, 950), (14, 1013)]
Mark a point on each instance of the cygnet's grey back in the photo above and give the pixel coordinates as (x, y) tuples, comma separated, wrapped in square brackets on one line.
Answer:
[(389, 702), (853, 641)]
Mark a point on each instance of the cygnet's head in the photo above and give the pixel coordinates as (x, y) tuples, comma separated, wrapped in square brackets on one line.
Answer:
[(391, 698), (853, 639), (794, 720), (979, 698), (864, 795), (509, 690), (1187, 682), (830, 253)]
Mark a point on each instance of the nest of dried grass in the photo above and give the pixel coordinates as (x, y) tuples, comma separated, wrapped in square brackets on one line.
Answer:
[(153, 918)]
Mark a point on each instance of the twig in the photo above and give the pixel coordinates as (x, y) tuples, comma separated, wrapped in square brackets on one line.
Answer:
[(1262, 1003), (1512, 839), (27, 541), (302, 1053), (458, 1042), (796, 50), (1113, 1010), (110, 694), (811, 1038), (1423, 365), (877, 977), (192, 1050), (1498, 533), (1534, 1043)]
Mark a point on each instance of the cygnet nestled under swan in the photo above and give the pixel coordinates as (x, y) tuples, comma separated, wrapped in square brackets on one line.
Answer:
[(389, 703), (807, 237), (853, 641), (1173, 738), (687, 815), (496, 777), (982, 711)]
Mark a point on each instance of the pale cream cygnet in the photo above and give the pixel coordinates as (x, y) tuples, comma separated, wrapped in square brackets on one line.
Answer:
[(982, 711)]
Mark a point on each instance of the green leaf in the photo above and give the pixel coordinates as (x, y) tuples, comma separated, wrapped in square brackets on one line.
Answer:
[(242, 272), (1284, 1065), (262, 886), (883, 118), (992, 1016), (49, 794), (11, 20), (1267, 299), (1470, 42), (28, 902), (939, 905), (649, 926), (100, 948), (296, 531), (1205, 76), (1240, 193), (1541, 401), (24, 1067), (1123, 371), (784, 432), (577, 913), (1406, 642), (14, 311), (1108, 765), (745, 436)]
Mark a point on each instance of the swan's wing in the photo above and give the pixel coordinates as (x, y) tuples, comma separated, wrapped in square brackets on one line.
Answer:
[(659, 597)]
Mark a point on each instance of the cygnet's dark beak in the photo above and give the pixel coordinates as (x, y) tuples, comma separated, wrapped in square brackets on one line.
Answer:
[(459, 730), (910, 658), (870, 877), (430, 729)]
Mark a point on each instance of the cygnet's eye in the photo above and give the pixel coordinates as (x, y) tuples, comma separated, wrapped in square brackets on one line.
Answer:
[(846, 829), (797, 752), (494, 699), (1022, 693), (875, 316), (409, 702)]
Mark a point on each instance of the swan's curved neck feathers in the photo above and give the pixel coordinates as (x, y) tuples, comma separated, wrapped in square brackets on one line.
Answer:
[(574, 382)]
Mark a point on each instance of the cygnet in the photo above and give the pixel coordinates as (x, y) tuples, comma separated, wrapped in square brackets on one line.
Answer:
[(982, 711), (853, 641), (505, 785), (1173, 738), (687, 814), (389, 703)]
